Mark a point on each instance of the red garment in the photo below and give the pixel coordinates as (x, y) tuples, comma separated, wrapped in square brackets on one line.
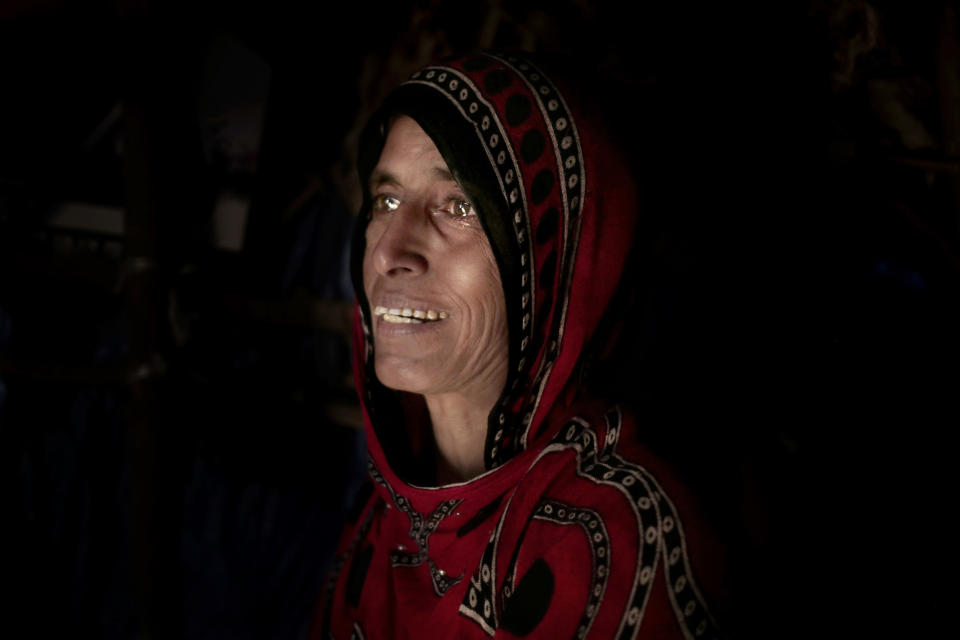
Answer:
[(575, 530)]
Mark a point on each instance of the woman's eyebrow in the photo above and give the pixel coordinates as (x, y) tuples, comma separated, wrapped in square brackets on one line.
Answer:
[(380, 177), (443, 173)]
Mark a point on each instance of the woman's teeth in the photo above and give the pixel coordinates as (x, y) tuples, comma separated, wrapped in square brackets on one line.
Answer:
[(409, 316)]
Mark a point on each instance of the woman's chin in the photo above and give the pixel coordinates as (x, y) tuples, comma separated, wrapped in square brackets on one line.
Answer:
[(401, 376)]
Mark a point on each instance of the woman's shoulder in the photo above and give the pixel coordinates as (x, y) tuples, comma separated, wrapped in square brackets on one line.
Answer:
[(602, 459), (612, 522)]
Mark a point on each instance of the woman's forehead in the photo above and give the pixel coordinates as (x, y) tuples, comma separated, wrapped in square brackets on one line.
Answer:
[(409, 153)]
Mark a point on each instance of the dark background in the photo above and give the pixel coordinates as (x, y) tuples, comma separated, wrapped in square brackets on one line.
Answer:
[(178, 432)]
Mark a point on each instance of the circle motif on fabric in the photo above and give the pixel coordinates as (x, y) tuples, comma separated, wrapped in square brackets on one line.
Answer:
[(442, 77), (496, 81), (553, 104), (430, 74), (501, 157), (572, 180), (645, 575), (518, 109), (485, 573), (548, 271), (453, 84), (547, 226), (473, 107), (463, 94), (532, 146), (485, 123), (569, 162), (544, 90), (560, 124), (542, 185), (566, 142)]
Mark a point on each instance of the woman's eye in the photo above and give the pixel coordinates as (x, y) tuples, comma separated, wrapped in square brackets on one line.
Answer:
[(384, 202), (461, 209)]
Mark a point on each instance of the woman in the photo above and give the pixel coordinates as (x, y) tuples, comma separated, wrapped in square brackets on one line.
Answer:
[(506, 500)]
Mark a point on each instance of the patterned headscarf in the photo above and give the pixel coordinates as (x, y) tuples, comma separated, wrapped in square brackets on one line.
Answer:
[(559, 209)]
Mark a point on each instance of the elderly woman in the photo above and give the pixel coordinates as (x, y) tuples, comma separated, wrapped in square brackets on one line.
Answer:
[(505, 499)]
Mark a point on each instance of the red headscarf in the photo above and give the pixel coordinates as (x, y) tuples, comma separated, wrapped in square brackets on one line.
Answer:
[(574, 529)]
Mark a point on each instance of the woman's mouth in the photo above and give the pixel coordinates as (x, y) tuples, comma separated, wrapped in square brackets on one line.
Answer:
[(407, 315)]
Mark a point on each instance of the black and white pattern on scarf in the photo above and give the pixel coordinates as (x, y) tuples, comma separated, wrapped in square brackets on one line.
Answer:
[(658, 529), (420, 529)]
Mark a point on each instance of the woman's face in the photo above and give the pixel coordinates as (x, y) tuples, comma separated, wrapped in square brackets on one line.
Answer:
[(439, 316)]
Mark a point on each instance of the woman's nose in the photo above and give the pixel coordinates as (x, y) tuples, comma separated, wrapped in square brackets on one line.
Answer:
[(401, 249)]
